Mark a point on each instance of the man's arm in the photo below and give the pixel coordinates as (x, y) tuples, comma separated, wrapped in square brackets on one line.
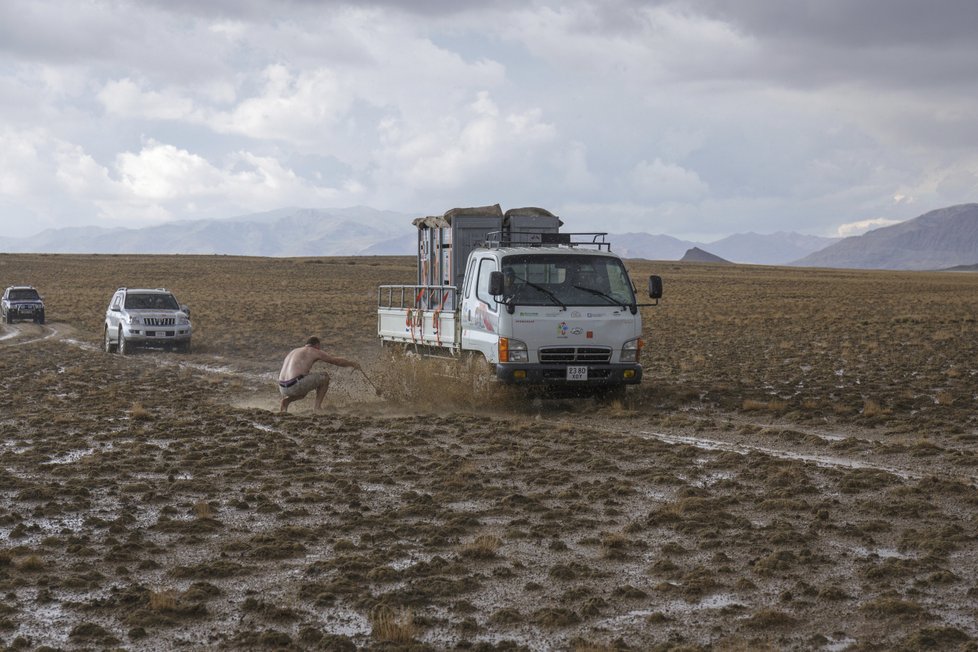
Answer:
[(337, 361)]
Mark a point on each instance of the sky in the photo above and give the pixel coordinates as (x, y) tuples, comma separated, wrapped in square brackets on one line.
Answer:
[(695, 118)]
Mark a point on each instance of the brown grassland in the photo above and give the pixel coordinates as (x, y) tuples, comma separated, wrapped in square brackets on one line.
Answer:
[(797, 471)]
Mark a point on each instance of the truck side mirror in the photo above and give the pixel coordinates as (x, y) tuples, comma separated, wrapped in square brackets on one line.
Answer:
[(185, 309), (655, 287), (495, 283)]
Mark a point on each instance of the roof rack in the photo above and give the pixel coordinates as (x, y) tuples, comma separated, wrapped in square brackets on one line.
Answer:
[(501, 239)]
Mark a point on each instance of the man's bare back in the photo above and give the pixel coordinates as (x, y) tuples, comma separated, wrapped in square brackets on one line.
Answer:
[(298, 364)]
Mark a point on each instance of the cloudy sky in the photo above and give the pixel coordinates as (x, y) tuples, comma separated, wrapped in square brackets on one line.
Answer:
[(697, 118)]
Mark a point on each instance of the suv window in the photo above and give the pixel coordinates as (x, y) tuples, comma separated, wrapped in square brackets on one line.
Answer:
[(23, 295), (151, 302)]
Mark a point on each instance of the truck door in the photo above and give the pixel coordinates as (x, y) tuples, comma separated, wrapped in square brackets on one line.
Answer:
[(480, 312)]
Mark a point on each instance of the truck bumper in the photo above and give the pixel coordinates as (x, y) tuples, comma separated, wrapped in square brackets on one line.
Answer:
[(598, 375)]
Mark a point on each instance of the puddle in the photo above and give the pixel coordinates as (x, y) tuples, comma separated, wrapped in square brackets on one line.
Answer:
[(744, 449), (882, 553), (69, 457)]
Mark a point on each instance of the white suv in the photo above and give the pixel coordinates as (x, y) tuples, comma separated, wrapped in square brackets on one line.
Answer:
[(151, 318)]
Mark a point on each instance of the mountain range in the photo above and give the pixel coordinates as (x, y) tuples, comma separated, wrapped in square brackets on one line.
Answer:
[(943, 238), (936, 240)]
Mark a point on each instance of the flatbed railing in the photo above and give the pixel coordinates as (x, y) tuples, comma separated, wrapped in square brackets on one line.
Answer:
[(425, 297)]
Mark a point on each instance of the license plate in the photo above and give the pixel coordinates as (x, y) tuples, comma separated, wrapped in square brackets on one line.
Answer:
[(576, 373)]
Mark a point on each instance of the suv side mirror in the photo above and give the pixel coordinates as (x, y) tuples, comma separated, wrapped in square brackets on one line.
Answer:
[(115, 309), (495, 283), (185, 309), (655, 287)]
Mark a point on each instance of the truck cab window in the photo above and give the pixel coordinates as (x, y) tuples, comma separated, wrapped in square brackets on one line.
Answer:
[(486, 265)]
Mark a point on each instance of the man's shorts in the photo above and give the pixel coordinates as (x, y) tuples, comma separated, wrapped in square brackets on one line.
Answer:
[(303, 386)]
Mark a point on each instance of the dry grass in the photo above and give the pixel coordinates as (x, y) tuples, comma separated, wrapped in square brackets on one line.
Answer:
[(139, 413), (165, 600), (203, 510), (30, 563), (393, 625), (484, 546)]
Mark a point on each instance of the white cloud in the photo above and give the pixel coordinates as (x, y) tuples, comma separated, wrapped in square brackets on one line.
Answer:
[(862, 226), (666, 181), (125, 98)]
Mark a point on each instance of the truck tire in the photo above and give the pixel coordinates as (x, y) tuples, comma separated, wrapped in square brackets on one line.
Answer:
[(40, 317), (109, 346), (9, 318), (124, 347)]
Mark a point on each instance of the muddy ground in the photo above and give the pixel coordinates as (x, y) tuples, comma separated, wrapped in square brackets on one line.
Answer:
[(798, 471)]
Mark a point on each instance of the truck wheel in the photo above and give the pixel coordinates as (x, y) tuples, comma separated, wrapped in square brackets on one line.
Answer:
[(9, 318), (124, 347), (183, 347), (40, 317), (109, 346)]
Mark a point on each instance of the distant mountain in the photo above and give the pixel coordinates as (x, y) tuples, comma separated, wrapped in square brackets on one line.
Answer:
[(359, 230), (650, 247), (962, 268), (934, 240), (283, 232), (697, 255), (771, 249)]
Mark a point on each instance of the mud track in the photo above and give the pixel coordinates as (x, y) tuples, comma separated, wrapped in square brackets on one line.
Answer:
[(157, 500)]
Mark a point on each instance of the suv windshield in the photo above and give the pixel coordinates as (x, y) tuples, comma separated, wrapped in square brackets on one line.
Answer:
[(575, 280), (151, 302), (23, 295)]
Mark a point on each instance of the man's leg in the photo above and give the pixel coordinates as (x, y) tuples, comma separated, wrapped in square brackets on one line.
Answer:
[(284, 406), (321, 392)]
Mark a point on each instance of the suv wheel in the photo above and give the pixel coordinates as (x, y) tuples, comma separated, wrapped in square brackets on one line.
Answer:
[(9, 318), (109, 346), (39, 318), (124, 347)]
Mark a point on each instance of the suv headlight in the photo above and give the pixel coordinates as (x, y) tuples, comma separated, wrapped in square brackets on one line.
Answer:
[(183, 320), (133, 320), (512, 350), (631, 351)]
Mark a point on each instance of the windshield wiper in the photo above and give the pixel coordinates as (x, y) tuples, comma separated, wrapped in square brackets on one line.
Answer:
[(610, 298), (541, 289)]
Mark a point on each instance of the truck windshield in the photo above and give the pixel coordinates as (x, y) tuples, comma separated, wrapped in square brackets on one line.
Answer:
[(151, 302), (563, 279), (23, 295)]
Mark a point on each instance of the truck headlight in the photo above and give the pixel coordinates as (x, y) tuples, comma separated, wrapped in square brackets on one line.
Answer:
[(631, 351), (133, 320), (512, 350), (183, 320)]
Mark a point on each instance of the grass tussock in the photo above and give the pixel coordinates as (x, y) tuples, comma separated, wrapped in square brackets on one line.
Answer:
[(204, 511), (774, 405), (165, 600), (139, 413), (390, 625), (30, 563), (484, 546)]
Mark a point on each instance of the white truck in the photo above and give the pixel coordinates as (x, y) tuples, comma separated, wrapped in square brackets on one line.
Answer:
[(543, 307)]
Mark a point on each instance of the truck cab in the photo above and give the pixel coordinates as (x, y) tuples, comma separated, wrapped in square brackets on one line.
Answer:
[(552, 316)]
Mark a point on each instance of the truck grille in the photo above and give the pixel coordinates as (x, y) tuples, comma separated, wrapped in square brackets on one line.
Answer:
[(160, 321), (575, 354)]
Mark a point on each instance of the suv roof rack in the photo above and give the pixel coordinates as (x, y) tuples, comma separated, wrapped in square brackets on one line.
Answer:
[(501, 239)]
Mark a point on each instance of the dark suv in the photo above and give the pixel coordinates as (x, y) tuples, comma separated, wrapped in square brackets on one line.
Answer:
[(22, 302)]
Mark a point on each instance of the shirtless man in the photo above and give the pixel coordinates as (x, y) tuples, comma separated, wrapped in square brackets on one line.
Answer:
[(295, 379)]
